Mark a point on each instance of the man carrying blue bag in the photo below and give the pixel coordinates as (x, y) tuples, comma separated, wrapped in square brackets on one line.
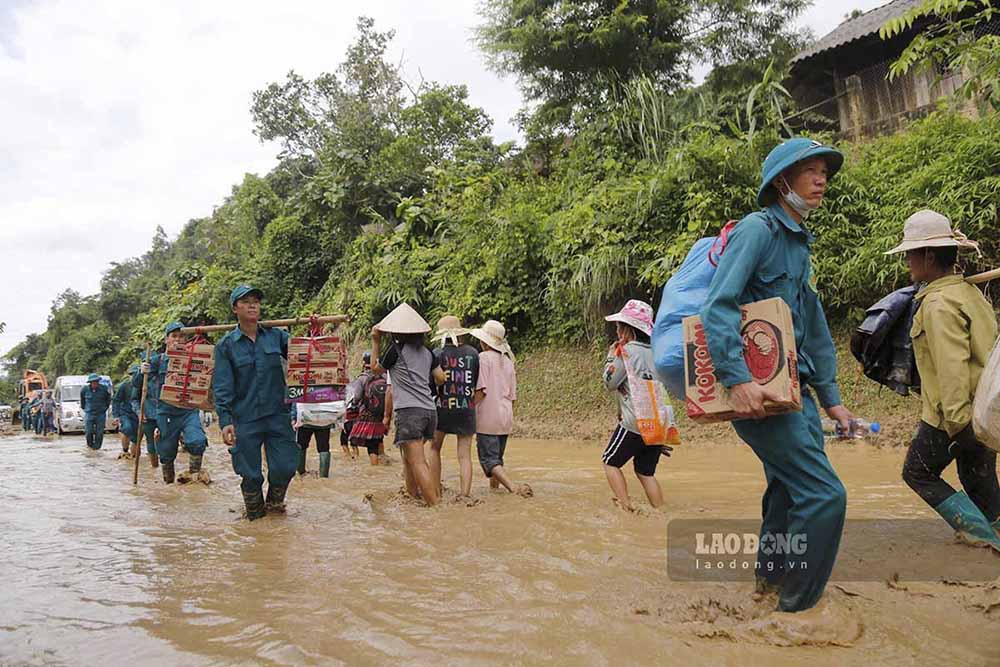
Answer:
[(768, 256)]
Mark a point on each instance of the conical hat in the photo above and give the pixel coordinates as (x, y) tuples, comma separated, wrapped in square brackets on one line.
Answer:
[(403, 320)]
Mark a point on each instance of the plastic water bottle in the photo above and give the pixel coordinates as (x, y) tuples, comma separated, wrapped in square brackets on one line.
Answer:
[(859, 429)]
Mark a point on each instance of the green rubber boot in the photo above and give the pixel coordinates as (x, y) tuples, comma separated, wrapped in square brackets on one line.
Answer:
[(168, 471), (963, 515), (324, 464), (275, 500), (302, 462), (253, 498)]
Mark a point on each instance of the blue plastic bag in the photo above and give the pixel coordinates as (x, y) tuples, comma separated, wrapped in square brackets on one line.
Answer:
[(683, 296)]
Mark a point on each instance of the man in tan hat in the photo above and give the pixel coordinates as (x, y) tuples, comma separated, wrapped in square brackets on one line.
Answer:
[(413, 373), (496, 392), (953, 332), (456, 407)]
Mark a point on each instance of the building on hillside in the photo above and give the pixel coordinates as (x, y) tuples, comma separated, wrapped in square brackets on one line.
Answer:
[(844, 75)]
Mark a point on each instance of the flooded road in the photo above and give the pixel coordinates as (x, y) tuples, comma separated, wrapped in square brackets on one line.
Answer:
[(98, 572)]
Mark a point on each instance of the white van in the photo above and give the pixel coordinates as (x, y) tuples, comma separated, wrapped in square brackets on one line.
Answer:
[(69, 416)]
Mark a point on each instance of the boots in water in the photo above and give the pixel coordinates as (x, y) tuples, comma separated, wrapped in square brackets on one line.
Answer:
[(253, 498), (154, 460), (967, 519), (168, 472), (324, 464), (276, 498), (194, 467), (302, 462)]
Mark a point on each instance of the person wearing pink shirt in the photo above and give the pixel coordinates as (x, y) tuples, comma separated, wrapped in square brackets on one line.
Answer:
[(496, 392)]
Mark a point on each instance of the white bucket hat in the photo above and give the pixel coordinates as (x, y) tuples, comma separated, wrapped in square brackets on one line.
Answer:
[(495, 335), (636, 313), (403, 320), (929, 229)]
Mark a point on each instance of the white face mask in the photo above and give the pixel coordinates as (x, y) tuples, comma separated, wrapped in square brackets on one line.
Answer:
[(798, 204)]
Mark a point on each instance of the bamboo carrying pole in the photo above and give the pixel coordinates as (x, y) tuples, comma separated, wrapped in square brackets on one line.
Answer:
[(142, 419), (983, 277), (326, 319)]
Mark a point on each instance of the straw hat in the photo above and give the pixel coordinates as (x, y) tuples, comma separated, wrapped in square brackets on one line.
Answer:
[(495, 335), (638, 314), (449, 327), (929, 229), (403, 320)]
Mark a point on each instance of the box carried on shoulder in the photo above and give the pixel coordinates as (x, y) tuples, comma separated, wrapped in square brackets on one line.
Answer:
[(769, 351), (188, 382), (317, 369)]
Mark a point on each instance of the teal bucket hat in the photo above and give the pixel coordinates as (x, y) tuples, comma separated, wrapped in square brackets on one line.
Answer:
[(93, 377), (791, 152), (241, 291), (172, 327)]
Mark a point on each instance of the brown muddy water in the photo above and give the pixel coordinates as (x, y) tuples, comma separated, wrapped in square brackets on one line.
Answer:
[(98, 572)]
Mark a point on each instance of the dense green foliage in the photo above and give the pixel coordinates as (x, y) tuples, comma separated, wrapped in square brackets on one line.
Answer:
[(572, 57), (387, 193)]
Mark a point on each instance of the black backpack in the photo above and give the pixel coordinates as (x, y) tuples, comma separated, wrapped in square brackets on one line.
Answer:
[(882, 343), (373, 398)]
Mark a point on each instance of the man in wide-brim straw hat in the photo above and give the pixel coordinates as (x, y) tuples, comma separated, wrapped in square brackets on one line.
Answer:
[(496, 392), (456, 406), (411, 374), (953, 332), (768, 256)]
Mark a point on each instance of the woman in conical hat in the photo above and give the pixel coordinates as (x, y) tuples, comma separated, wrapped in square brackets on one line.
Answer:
[(411, 373)]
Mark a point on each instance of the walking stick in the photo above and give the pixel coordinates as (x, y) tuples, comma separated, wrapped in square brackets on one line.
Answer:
[(142, 419)]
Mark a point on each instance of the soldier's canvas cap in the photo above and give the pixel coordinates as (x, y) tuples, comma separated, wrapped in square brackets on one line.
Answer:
[(241, 291)]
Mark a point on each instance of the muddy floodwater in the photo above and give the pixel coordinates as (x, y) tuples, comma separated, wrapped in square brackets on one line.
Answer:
[(96, 571)]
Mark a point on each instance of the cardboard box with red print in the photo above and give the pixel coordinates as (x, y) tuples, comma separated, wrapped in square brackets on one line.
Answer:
[(770, 354)]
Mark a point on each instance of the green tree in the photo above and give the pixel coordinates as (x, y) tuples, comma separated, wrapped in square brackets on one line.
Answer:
[(570, 55), (352, 109), (953, 38)]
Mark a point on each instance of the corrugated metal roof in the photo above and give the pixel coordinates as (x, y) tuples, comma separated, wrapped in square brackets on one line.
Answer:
[(857, 28)]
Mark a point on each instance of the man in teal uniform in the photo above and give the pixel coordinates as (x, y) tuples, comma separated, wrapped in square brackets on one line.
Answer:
[(121, 409), (173, 422), (249, 386), (768, 256), (25, 413), (36, 413), (94, 401)]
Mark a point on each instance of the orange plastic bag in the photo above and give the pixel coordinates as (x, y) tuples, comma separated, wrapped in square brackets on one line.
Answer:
[(653, 412)]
